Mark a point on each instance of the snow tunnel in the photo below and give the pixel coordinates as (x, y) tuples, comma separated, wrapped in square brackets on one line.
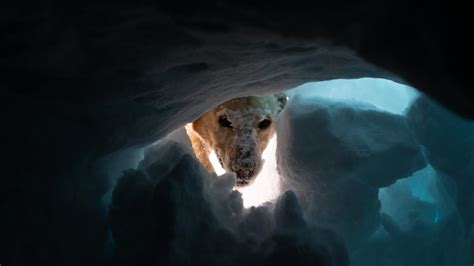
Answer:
[(363, 169), (353, 163)]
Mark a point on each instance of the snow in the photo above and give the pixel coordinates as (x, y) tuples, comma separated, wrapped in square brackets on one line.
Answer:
[(119, 78), (421, 197), (329, 139), (448, 142), (344, 178), (335, 155), (172, 209), (382, 93)]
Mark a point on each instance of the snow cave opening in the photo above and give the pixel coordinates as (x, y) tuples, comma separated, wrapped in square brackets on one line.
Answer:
[(382, 94), (356, 156)]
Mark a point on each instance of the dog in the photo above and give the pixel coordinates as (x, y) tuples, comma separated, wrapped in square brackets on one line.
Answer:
[(238, 131)]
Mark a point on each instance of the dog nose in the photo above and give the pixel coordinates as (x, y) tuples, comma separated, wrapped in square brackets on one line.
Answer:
[(247, 162), (244, 176), (244, 152)]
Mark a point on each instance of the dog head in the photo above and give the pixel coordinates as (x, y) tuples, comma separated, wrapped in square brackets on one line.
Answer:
[(239, 130)]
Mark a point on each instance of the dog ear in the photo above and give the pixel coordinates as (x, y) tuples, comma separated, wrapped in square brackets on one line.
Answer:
[(282, 99)]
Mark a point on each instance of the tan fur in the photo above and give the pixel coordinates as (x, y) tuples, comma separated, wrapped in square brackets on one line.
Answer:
[(239, 146)]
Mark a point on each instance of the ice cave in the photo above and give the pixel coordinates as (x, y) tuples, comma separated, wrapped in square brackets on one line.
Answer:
[(368, 144), (349, 157)]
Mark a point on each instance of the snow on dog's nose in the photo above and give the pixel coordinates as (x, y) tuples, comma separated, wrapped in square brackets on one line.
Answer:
[(247, 158), (246, 172)]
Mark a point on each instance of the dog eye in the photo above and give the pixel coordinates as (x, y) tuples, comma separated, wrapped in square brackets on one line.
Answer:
[(265, 123), (224, 122)]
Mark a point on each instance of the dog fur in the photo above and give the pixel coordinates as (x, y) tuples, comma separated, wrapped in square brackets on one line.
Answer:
[(238, 130)]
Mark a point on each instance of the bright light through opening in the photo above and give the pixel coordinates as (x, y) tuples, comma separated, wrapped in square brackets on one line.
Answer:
[(266, 185), (215, 163)]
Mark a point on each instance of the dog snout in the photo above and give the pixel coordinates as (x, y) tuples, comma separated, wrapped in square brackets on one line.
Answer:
[(244, 176), (246, 154), (246, 170)]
